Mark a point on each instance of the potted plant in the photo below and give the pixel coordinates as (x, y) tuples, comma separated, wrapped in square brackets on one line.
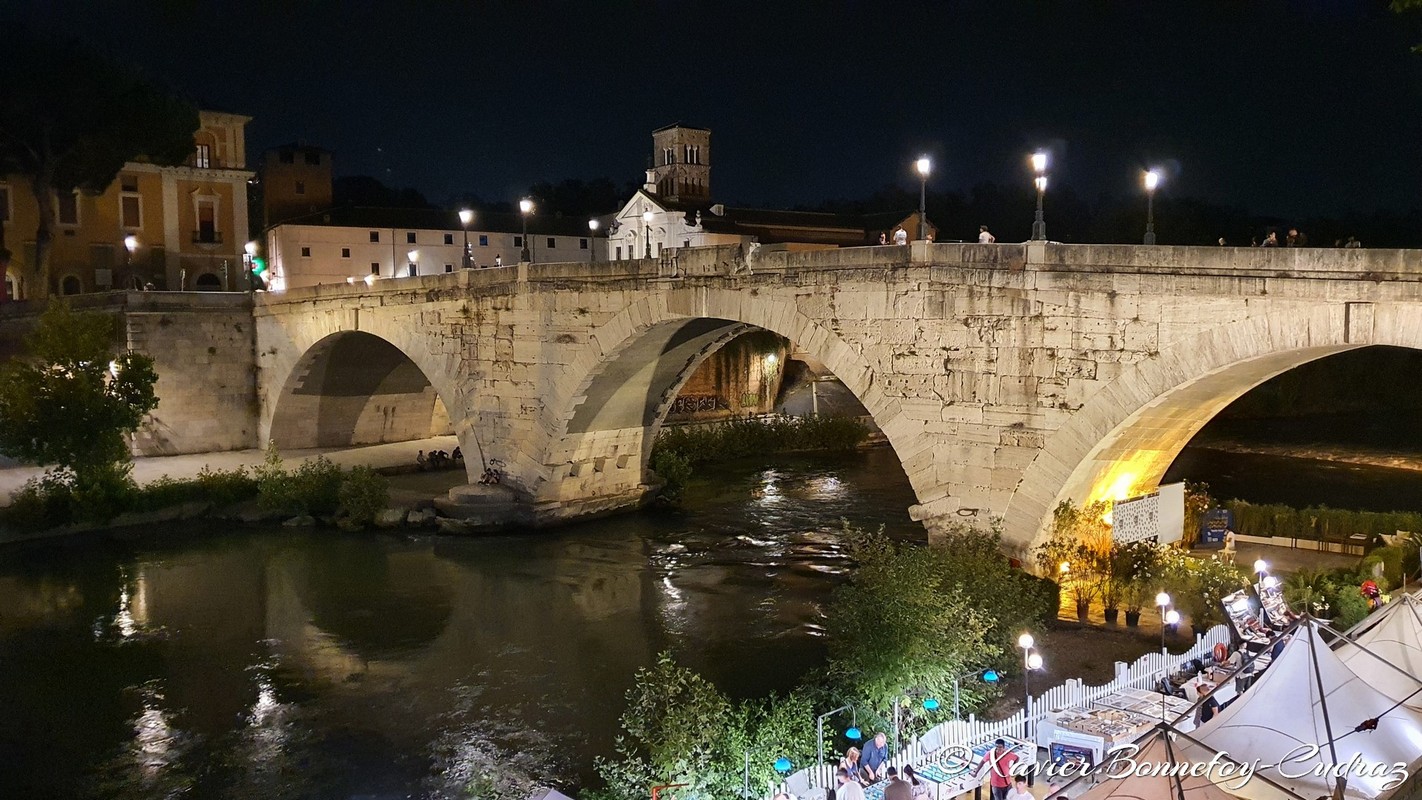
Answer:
[(1072, 555), (1138, 567)]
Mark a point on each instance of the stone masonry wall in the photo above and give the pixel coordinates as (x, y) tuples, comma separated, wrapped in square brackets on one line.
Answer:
[(1005, 377)]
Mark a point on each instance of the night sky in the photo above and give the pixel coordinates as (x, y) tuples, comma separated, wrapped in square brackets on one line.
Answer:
[(1309, 107)]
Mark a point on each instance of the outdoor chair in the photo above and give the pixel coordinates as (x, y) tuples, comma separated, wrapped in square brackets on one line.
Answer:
[(799, 786), (931, 742)]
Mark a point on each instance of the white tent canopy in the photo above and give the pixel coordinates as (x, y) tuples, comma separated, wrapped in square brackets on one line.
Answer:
[(1388, 654), (1282, 719), (1146, 784)]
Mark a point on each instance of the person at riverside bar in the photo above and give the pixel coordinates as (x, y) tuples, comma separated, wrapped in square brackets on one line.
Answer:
[(876, 755), (849, 788), (898, 788), (999, 760)]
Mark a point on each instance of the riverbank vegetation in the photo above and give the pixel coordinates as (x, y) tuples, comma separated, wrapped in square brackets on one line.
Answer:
[(318, 489), (908, 623), (680, 448)]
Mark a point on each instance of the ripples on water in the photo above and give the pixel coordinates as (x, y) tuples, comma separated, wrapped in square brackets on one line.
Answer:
[(272, 664)]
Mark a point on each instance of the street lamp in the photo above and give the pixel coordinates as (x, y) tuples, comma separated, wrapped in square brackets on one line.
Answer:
[(1162, 601), (647, 229), (1031, 660), (1151, 180), (1261, 567), (525, 207), (988, 676), (414, 258), (593, 225), (465, 217), (929, 704), (924, 166), (1039, 168), (130, 243)]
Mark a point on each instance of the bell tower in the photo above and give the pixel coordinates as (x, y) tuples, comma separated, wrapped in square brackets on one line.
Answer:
[(681, 163)]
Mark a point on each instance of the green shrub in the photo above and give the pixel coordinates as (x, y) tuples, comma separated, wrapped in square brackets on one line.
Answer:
[(1318, 522), (312, 488), (42, 503), (363, 494), (1350, 605), (1391, 558), (674, 467)]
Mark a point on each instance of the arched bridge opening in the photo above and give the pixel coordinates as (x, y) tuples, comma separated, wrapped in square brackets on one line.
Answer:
[(355, 388)]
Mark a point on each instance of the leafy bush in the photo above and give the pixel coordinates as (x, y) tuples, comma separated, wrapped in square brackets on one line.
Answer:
[(679, 448), (903, 624), (1350, 605), (674, 467), (1391, 558), (43, 502), (218, 487), (363, 494), (313, 488)]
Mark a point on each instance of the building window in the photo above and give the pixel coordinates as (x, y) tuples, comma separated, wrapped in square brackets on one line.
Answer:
[(448, 267), (202, 159), (287, 157), (68, 207), (305, 252), (668, 155), (410, 237), (518, 241), (128, 183), (483, 241), (345, 252), (131, 211), (551, 243), (70, 285), (375, 268), (619, 252), (301, 187), (207, 223), (412, 270), (686, 243), (375, 236), (449, 238), (313, 157), (582, 244)]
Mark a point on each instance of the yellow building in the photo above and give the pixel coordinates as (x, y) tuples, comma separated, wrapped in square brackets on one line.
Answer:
[(187, 224)]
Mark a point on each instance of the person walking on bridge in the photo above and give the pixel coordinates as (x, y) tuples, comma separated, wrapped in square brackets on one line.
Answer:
[(985, 236)]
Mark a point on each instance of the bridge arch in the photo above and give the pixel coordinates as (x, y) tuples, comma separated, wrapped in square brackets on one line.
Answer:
[(340, 384), (1125, 437), (637, 362)]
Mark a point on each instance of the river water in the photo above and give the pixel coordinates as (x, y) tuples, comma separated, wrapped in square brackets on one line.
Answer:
[(272, 663)]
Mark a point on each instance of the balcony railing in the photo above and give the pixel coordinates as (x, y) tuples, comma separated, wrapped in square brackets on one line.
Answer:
[(207, 237)]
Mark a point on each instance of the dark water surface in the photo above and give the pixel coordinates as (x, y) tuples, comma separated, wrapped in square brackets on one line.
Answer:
[(271, 663)]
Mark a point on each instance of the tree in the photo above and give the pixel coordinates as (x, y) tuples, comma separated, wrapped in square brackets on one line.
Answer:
[(1404, 6), (71, 402), (69, 120), (902, 626)]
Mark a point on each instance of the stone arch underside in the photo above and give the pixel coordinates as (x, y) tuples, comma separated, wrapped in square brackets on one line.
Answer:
[(1126, 436), (643, 357), (356, 388)]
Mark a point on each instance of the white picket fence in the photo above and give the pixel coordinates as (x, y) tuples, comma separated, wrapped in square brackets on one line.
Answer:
[(1142, 674)]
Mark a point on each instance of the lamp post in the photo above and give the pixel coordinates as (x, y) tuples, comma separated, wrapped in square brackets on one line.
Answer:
[(130, 244), (647, 229), (924, 166), (525, 207), (1031, 660), (1151, 179), (465, 217), (1039, 168), (851, 733), (1162, 601), (988, 675), (413, 257), (929, 704), (592, 240)]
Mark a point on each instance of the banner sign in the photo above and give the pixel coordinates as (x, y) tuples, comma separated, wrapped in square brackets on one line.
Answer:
[(1159, 516), (1213, 527)]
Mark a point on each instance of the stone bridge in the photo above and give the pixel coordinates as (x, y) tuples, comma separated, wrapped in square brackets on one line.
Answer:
[(1006, 377)]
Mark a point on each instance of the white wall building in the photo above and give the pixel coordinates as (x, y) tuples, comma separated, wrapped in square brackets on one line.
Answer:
[(342, 245)]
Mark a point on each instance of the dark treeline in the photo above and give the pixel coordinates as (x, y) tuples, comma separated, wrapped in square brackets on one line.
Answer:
[(1008, 214)]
